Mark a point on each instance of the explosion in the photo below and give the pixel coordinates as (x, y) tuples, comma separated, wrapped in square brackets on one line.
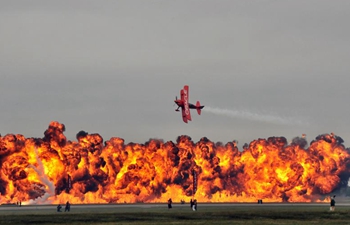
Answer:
[(53, 169)]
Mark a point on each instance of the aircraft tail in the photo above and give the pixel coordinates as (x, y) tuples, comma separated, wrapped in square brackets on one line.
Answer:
[(199, 107)]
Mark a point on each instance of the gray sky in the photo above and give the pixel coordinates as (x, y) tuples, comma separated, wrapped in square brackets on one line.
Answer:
[(261, 68)]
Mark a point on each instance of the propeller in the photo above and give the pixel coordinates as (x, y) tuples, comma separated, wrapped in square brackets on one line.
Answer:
[(175, 100)]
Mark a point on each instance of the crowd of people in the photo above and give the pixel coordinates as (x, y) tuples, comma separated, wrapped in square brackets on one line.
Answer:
[(66, 208), (193, 204)]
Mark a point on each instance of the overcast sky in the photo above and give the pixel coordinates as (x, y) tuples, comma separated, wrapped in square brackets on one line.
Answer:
[(261, 68)]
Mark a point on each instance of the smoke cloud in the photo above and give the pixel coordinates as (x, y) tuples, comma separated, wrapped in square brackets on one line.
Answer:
[(50, 187), (254, 116), (89, 170)]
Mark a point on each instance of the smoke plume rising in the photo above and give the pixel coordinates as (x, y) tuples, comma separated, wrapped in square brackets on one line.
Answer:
[(48, 187)]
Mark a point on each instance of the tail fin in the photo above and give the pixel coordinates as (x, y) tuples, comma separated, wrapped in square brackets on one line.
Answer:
[(199, 107)]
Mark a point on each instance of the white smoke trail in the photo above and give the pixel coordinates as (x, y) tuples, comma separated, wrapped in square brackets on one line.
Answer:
[(244, 114), (49, 186)]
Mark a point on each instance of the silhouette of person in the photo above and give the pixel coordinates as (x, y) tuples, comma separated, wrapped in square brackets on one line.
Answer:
[(169, 203), (67, 208), (333, 203), (59, 207), (194, 207)]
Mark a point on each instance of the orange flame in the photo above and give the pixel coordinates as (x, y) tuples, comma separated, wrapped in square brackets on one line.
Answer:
[(53, 170)]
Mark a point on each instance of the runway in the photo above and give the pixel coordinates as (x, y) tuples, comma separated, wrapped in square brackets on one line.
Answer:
[(5, 209)]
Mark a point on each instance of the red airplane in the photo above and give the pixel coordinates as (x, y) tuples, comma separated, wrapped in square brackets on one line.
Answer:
[(186, 106)]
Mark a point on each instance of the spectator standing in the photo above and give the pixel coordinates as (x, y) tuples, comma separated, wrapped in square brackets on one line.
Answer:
[(67, 208), (169, 203), (333, 203)]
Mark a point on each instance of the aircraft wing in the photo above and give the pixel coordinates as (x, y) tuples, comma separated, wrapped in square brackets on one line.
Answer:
[(183, 113), (186, 109), (184, 117)]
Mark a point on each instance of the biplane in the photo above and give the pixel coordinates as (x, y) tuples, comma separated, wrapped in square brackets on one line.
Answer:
[(185, 106)]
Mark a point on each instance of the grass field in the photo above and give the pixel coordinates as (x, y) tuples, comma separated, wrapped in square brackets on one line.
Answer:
[(180, 214)]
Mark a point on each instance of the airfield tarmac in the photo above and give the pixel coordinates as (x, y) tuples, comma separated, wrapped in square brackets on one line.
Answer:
[(44, 209)]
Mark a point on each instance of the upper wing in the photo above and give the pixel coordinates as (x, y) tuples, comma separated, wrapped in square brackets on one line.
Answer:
[(185, 97), (183, 111)]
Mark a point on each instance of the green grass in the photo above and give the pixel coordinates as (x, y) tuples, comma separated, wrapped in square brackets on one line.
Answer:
[(251, 215)]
